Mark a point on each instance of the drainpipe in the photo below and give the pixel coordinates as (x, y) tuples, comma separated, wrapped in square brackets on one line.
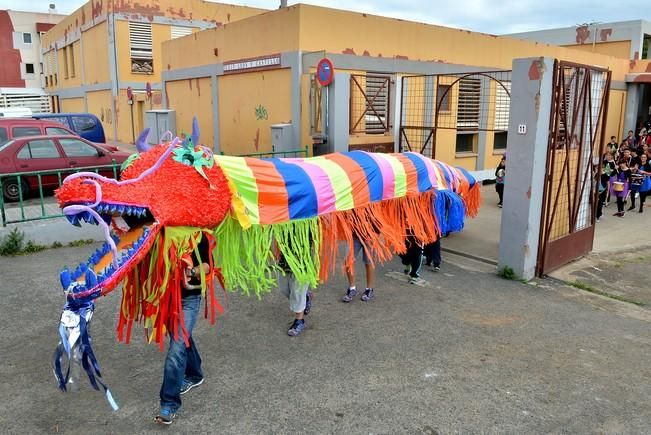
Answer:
[(283, 4)]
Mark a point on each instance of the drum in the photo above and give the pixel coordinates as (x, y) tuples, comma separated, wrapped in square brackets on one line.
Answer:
[(618, 186)]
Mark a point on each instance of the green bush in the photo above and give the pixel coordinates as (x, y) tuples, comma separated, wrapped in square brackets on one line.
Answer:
[(56, 245), (507, 273), (12, 243), (32, 247)]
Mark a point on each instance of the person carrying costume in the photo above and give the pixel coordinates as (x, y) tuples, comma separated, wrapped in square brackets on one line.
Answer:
[(300, 298), (182, 370), (351, 292), (432, 253), (412, 259)]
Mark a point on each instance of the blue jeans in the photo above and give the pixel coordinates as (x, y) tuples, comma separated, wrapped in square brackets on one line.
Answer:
[(181, 362)]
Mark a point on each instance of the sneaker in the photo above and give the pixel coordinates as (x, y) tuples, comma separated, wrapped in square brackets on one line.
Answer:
[(165, 416), (350, 294), (368, 294), (188, 385), (297, 328), (407, 270), (308, 303), (437, 268), (416, 280)]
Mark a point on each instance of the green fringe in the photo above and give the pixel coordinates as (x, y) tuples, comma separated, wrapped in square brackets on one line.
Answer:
[(247, 260)]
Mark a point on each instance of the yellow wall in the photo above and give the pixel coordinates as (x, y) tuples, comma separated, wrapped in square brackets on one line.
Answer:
[(72, 105), (243, 98), (620, 49), (99, 104), (95, 52), (259, 35), (192, 98)]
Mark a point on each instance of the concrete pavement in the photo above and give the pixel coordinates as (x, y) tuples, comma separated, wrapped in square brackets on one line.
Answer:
[(466, 353)]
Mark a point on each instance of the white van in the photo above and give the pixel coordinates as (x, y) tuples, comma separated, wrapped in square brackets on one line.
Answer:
[(15, 112)]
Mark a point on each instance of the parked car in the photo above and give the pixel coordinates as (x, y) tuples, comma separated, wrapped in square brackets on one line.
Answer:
[(44, 153), (85, 125), (11, 128)]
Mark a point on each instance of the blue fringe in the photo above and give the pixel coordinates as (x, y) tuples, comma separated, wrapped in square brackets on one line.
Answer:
[(450, 211)]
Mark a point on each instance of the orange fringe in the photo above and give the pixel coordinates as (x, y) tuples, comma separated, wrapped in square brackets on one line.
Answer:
[(472, 200), (381, 227)]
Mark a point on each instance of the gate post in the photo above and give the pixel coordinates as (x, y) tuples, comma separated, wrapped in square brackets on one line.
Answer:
[(531, 97), (339, 113)]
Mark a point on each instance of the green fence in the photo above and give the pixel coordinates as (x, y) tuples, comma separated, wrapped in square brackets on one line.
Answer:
[(34, 181), (289, 153)]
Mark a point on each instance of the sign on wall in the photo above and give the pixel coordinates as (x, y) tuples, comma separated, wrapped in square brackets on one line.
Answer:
[(325, 72), (252, 64)]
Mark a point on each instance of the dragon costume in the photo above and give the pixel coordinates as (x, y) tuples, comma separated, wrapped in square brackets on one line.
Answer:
[(250, 209)]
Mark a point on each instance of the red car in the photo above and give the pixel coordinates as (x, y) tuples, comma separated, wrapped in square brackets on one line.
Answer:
[(45, 153)]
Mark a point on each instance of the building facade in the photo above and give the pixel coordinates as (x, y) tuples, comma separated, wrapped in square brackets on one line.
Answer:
[(21, 71), (623, 39), (106, 57), (244, 78)]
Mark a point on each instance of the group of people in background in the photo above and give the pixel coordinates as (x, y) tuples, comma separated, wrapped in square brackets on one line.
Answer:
[(626, 172)]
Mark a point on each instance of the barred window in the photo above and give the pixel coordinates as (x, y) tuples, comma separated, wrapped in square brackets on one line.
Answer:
[(469, 104), (140, 47)]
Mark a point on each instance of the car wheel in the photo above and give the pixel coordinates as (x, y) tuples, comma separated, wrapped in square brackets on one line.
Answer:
[(11, 189)]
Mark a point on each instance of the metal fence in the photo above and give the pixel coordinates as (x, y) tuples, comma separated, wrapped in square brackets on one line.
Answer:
[(272, 154), (26, 209)]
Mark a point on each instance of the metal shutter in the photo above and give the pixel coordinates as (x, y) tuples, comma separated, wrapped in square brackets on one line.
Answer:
[(180, 31), (140, 40), (468, 106)]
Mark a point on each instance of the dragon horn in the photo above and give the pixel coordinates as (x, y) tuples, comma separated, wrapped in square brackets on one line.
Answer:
[(141, 143), (195, 131)]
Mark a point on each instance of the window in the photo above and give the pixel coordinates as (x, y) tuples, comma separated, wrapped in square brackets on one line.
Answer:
[(26, 131), (60, 119), (71, 56), (53, 131), (502, 105), (39, 149), (83, 123), (29, 68), (77, 148), (65, 62), (443, 94), (180, 31), (466, 143), (27, 38), (499, 143), (468, 105), (3, 135), (140, 47)]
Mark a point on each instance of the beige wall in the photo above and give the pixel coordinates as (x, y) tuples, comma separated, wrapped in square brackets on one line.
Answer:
[(72, 105), (193, 98)]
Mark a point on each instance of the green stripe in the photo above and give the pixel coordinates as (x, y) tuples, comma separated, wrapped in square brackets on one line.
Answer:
[(399, 173), (237, 171), (339, 180)]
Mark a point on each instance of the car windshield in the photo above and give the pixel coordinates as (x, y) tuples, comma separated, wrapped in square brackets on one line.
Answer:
[(6, 145)]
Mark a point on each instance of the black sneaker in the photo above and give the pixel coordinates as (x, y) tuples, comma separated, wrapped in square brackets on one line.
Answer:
[(188, 385), (350, 294), (369, 293), (297, 328), (165, 416)]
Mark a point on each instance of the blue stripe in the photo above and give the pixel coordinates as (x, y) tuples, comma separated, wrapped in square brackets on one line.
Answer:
[(372, 171), (301, 193), (424, 183), (445, 173), (470, 178)]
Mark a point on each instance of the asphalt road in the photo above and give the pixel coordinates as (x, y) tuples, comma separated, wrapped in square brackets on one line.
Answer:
[(467, 353)]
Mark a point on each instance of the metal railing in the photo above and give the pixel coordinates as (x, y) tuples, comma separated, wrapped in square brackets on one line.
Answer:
[(271, 154), (21, 178)]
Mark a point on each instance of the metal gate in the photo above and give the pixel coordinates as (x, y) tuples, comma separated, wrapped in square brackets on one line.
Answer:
[(576, 139), (454, 109)]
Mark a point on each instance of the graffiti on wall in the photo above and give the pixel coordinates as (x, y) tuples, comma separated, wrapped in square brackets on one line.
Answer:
[(261, 113), (106, 115)]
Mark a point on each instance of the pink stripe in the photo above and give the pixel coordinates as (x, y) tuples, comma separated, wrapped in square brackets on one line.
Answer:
[(430, 169), (325, 194), (388, 177)]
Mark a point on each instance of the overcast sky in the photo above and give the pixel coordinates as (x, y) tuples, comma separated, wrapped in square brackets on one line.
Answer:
[(490, 16)]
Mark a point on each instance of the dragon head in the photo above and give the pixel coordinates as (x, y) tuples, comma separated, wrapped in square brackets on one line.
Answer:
[(166, 185)]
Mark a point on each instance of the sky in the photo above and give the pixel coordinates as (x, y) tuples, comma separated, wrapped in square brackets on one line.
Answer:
[(488, 16)]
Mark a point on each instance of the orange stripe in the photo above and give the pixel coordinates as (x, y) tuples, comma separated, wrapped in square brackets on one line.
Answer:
[(412, 174), (273, 202), (357, 177)]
